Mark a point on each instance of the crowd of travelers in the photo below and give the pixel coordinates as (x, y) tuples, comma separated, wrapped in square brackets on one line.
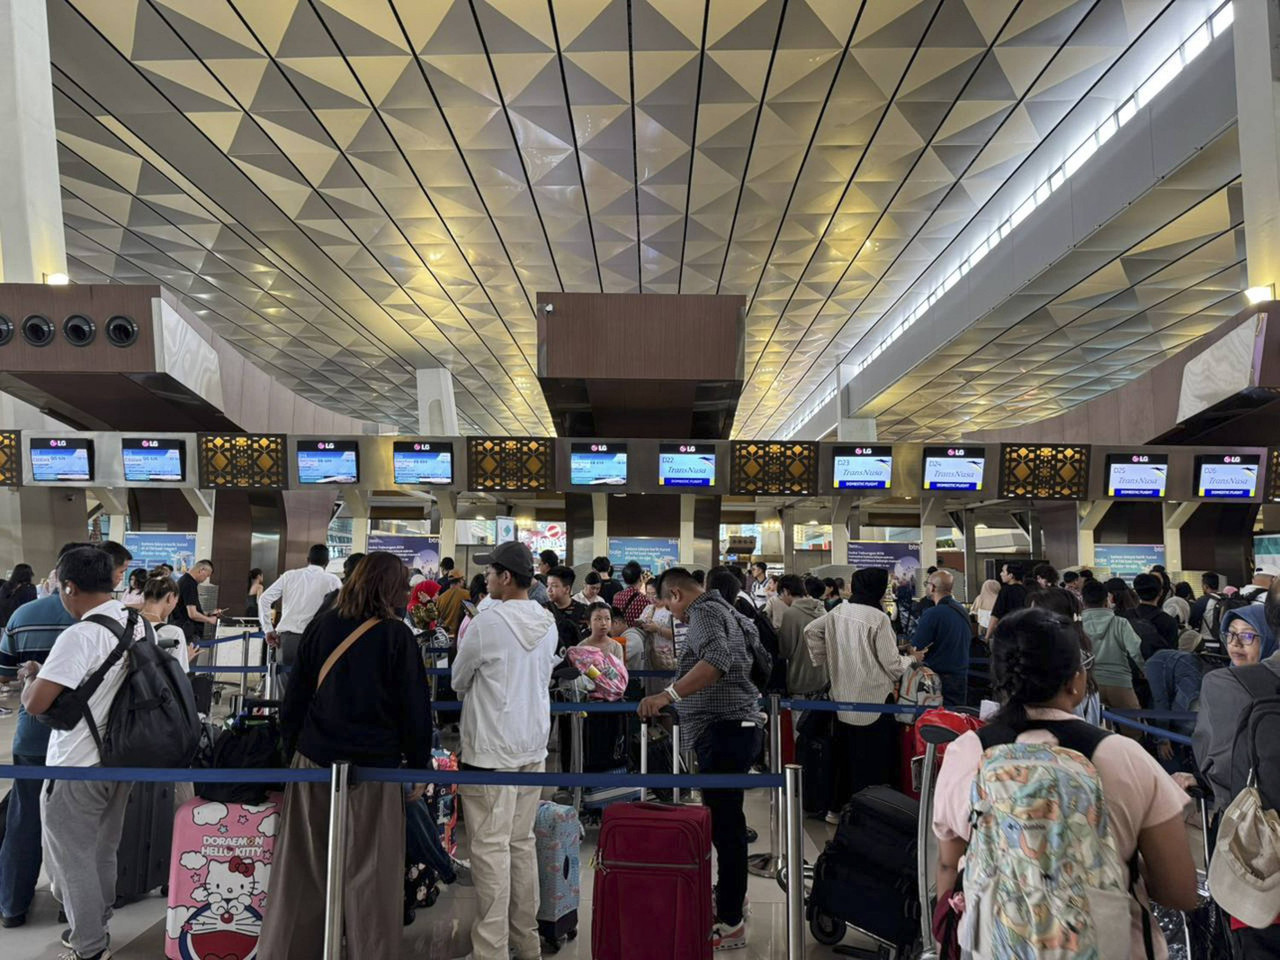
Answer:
[(1058, 651)]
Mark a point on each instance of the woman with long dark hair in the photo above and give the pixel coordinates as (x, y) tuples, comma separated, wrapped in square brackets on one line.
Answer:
[(855, 640), (17, 590), (359, 694)]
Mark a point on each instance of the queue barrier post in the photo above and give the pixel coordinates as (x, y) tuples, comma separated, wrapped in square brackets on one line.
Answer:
[(768, 864), (336, 879), (577, 753), (794, 854), (929, 948)]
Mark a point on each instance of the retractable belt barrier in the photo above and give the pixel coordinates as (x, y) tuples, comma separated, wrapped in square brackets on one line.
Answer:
[(236, 638), (1126, 720)]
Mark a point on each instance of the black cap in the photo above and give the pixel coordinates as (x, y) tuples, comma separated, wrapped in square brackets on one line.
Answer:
[(512, 555)]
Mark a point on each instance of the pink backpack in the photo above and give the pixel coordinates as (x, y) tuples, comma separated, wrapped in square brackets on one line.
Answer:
[(611, 683)]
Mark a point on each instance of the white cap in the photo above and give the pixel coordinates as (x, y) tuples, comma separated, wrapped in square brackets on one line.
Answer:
[(1266, 569)]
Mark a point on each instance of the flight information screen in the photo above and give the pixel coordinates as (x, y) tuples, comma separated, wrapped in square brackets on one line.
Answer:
[(592, 464), (328, 461), (862, 468), (67, 459), (686, 465), (954, 468), (1230, 475), (418, 461), (152, 459), (1137, 475)]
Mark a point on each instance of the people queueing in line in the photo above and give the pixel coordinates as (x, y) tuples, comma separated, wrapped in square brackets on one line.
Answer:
[(759, 581), (189, 614), (571, 616), (631, 601), (1012, 596), (301, 594), (1149, 588), (359, 694), (538, 589), (503, 673), (984, 603), (943, 638), (1117, 648), (720, 719), (132, 597), (82, 820), (806, 680), (1210, 587), (256, 586)]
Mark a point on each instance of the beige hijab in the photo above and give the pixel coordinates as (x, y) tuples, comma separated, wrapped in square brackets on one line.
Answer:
[(987, 598)]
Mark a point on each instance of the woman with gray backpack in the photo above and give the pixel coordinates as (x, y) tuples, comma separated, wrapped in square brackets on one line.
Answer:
[(1065, 829)]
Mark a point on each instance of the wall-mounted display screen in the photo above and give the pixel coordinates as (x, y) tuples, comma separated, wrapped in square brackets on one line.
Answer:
[(417, 461), (328, 461), (597, 463), (862, 468), (954, 468), (1137, 475), (68, 459), (153, 459), (686, 464), (1233, 475)]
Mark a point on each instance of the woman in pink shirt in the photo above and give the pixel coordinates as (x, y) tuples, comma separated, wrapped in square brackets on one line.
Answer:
[(1041, 676)]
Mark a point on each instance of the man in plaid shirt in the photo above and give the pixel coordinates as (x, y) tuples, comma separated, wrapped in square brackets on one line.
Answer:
[(720, 717)]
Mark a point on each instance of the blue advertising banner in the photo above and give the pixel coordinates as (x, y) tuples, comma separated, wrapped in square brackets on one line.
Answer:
[(900, 559), (418, 551), (152, 549), (655, 554), (1127, 559)]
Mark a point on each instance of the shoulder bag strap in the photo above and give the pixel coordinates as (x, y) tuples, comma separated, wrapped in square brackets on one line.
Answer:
[(344, 646)]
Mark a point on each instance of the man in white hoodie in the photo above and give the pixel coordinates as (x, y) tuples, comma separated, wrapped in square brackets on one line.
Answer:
[(503, 674)]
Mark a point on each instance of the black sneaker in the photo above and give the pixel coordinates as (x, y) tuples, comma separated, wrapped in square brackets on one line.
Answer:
[(65, 939), (15, 921)]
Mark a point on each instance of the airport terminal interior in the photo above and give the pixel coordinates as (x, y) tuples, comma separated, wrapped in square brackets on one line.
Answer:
[(842, 380)]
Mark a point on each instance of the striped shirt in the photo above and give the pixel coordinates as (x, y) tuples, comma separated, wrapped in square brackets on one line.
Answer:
[(30, 635)]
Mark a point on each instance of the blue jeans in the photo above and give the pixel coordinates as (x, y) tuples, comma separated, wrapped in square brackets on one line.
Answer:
[(422, 840), (728, 747), (20, 855)]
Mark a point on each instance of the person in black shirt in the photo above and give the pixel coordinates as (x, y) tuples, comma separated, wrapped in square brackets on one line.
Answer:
[(188, 614), (571, 616), (609, 587), (1149, 589), (359, 694), (1211, 583), (1013, 595)]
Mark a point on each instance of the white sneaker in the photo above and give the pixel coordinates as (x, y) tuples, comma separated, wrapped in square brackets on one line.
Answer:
[(833, 818), (725, 937)]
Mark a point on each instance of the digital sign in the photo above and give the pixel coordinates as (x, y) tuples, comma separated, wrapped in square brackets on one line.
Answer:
[(152, 459), (1142, 475), (418, 461), (1227, 475), (61, 459), (954, 468), (592, 464), (862, 468), (686, 464), (328, 461)]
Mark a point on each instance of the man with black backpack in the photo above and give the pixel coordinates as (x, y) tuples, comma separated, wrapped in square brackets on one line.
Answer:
[(76, 692)]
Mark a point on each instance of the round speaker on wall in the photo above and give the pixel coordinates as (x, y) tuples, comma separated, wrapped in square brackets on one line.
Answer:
[(37, 330), (6, 330), (79, 330), (121, 331)]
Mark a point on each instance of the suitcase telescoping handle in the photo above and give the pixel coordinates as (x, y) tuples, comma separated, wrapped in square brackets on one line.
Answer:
[(934, 736), (671, 712), (1201, 797)]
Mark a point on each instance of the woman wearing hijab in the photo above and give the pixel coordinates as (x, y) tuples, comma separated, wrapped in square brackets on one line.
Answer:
[(984, 604), (855, 641)]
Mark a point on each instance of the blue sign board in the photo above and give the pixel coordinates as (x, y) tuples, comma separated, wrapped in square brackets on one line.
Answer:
[(419, 551), (1128, 559), (152, 549), (655, 554)]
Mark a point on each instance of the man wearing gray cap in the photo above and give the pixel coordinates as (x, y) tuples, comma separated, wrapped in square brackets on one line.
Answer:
[(503, 673)]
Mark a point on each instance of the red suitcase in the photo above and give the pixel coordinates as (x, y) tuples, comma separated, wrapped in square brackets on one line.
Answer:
[(651, 897)]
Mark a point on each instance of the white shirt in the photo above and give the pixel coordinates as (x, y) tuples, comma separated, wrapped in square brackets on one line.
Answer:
[(856, 644), (172, 632), (79, 650), (300, 593)]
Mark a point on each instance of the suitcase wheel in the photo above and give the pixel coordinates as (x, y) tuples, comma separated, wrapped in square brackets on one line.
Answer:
[(826, 929)]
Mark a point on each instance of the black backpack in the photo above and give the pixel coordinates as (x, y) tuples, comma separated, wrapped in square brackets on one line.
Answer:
[(153, 720), (248, 743), (1224, 606), (1257, 738)]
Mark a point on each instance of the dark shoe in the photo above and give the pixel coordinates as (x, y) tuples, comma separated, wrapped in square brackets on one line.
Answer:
[(10, 922), (65, 939), (752, 836), (62, 915)]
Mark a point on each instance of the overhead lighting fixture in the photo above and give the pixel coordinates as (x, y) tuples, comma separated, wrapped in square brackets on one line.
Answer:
[(56, 279), (1260, 294)]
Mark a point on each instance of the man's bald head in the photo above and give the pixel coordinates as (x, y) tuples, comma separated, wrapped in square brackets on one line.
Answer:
[(942, 582)]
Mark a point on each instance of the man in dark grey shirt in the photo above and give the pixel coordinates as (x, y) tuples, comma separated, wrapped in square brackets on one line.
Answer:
[(720, 718)]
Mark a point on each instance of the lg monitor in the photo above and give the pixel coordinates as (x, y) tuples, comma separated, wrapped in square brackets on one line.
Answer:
[(862, 468), (328, 461), (153, 460), (593, 464), (686, 464), (1227, 475), (61, 460), (954, 468), (1139, 475), (418, 461)]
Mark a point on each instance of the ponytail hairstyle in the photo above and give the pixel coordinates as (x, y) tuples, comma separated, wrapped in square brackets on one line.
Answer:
[(157, 587), (1033, 654)]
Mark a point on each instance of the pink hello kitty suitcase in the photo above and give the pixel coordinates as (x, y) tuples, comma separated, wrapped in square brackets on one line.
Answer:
[(218, 875)]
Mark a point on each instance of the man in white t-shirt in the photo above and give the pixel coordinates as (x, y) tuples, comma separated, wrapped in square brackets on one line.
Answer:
[(82, 819)]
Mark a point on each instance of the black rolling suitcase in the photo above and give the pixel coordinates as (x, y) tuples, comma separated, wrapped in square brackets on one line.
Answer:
[(142, 858)]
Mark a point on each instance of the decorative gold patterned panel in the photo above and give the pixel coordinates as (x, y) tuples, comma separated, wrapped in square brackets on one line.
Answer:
[(10, 458), (1047, 471), (242, 461), (773, 469), (515, 464)]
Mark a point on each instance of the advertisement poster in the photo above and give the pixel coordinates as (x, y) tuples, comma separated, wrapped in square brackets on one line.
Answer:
[(1127, 559), (506, 530), (1266, 550), (655, 554), (419, 551), (900, 559), (152, 549), (540, 536)]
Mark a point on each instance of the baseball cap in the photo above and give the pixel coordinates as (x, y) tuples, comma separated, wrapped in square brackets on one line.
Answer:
[(512, 555), (1267, 570)]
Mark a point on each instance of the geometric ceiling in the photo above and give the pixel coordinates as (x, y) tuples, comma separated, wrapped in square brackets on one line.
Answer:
[(347, 190)]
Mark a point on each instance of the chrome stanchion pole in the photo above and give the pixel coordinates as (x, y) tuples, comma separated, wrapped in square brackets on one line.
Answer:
[(270, 684), (794, 854), (767, 864), (337, 861), (244, 664), (576, 751), (929, 949)]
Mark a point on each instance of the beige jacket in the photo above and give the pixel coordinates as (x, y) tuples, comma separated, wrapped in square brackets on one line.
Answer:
[(857, 645)]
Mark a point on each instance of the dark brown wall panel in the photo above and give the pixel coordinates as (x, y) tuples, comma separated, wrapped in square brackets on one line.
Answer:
[(98, 302)]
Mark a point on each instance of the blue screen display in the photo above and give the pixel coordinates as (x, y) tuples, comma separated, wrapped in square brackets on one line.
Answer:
[(417, 461), (328, 461), (147, 460), (67, 459), (686, 465), (591, 464), (1230, 476)]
